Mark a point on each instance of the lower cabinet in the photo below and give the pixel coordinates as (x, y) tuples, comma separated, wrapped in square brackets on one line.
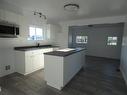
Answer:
[(34, 61), (37, 61), (27, 62)]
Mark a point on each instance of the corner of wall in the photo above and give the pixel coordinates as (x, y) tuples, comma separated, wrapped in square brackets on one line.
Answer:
[(123, 73), (123, 64)]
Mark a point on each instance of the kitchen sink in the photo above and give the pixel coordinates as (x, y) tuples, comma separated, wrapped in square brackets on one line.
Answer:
[(66, 50)]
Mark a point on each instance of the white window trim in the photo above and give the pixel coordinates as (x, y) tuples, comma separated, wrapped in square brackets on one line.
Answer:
[(111, 43), (85, 40), (46, 36)]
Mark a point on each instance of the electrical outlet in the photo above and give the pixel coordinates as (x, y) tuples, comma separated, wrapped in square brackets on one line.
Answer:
[(8, 67)]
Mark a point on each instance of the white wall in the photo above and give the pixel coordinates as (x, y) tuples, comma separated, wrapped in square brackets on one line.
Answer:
[(7, 56), (97, 45), (62, 38), (123, 66), (97, 39)]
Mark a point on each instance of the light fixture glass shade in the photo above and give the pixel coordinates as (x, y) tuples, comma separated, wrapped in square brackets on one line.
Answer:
[(71, 7)]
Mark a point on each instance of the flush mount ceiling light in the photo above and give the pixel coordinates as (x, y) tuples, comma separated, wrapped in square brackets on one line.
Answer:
[(71, 7)]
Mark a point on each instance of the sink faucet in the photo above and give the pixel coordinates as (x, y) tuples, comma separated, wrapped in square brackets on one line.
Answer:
[(37, 44)]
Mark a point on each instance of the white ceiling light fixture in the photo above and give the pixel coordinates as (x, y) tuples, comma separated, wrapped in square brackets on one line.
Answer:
[(71, 7)]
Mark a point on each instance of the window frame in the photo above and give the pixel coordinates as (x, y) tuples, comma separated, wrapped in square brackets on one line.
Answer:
[(111, 42), (44, 35), (81, 38)]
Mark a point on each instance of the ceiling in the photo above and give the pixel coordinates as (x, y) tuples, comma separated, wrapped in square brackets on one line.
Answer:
[(55, 12)]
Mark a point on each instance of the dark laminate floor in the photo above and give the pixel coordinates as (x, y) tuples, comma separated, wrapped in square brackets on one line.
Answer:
[(98, 78)]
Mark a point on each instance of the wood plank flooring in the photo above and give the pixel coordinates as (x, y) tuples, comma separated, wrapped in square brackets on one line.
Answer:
[(98, 78)]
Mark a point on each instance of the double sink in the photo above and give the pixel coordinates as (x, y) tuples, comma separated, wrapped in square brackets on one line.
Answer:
[(70, 49)]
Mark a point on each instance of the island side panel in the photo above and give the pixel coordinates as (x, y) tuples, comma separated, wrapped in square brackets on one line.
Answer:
[(72, 64), (54, 71), (83, 55)]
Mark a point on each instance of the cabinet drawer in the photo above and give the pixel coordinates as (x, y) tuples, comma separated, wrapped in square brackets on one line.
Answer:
[(28, 53), (33, 52)]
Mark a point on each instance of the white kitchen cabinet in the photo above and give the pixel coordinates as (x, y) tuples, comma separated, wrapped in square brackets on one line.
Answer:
[(44, 51), (34, 61), (30, 61), (37, 60)]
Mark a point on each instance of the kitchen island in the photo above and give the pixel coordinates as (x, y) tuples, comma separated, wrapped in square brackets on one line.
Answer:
[(62, 65)]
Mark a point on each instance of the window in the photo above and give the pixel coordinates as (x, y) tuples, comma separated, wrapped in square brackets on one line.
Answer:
[(81, 39), (112, 41), (37, 33)]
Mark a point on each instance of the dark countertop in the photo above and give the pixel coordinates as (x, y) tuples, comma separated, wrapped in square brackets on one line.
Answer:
[(29, 48), (64, 54)]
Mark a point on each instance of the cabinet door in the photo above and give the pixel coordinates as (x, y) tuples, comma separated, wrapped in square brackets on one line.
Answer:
[(38, 61), (29, 64), (44, 51)]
